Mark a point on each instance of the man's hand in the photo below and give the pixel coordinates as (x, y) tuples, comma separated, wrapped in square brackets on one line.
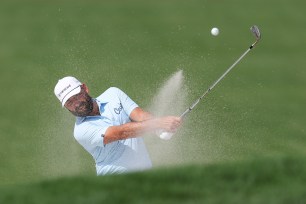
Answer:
[(169, 123)]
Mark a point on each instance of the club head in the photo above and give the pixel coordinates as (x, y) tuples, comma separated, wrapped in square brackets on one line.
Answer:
[(256, 32)]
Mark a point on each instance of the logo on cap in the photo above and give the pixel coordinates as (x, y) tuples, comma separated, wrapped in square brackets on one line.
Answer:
[(66, 88)]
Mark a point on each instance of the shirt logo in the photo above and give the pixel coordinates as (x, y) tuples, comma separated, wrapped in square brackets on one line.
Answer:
[(119, 109)]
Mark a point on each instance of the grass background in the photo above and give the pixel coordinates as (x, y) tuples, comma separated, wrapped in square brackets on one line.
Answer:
[(257, 113), (245, 182)]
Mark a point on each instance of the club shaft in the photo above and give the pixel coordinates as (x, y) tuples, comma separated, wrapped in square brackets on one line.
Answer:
[(188, 110)]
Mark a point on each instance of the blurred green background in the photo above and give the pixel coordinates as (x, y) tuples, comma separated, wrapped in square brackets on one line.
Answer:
[(257, 112)]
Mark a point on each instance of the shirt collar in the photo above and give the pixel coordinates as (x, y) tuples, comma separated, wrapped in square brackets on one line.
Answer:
[(101, 110)]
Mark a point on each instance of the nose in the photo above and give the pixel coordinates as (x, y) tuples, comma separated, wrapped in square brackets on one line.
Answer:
[(81, 105)]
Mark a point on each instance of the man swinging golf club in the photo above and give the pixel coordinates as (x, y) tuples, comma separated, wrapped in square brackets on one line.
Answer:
[(110, 126)]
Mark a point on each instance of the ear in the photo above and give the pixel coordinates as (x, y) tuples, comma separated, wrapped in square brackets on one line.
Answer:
[(85, 88)]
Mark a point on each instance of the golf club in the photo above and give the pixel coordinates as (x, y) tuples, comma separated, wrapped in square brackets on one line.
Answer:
[(256, 32)]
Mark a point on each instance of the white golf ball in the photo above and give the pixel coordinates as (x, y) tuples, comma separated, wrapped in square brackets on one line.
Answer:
[(166, 135), (214, 31)]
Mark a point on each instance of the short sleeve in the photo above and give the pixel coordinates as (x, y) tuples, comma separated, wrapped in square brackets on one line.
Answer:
[(90, 134), (127, 103)]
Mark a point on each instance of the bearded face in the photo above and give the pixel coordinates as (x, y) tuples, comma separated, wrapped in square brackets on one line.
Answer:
[(80, 105)]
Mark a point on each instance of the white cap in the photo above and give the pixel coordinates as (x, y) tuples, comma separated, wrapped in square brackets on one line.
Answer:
[(67, 87)]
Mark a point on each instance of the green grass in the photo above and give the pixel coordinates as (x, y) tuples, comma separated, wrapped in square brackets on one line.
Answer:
[(271, 181), (257, 112)]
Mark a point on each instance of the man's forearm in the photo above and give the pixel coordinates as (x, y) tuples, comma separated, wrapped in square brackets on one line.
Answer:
[(129, 130), (138, 115)]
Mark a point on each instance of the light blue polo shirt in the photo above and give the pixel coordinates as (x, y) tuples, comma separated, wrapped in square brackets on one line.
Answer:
[(118, 156)]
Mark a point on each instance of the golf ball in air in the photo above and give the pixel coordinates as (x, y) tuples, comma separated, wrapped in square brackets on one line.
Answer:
[(214, 31)]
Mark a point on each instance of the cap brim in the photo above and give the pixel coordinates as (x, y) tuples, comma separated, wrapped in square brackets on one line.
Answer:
[(70, 94)]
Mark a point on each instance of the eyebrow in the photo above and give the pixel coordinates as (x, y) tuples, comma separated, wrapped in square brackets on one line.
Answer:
[(69, 101)]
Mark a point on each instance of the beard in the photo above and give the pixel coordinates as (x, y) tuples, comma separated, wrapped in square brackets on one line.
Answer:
[(84, 108)]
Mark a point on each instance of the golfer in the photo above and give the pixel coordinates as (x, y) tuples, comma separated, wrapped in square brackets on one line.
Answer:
[(110, 126)]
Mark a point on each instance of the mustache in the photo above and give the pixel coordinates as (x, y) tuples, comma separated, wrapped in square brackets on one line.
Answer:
[(84, 108)]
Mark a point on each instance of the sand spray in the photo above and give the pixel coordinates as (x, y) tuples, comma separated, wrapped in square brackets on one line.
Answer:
[(170, 99)]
